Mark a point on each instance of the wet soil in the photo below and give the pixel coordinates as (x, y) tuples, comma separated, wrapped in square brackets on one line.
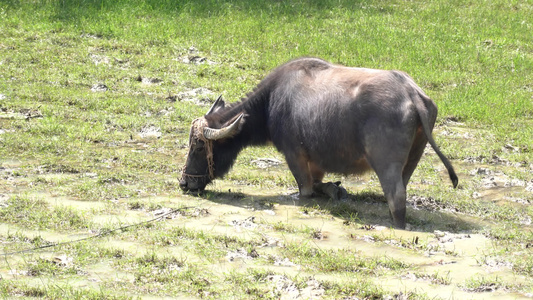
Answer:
[(443, 248), (440, 261)]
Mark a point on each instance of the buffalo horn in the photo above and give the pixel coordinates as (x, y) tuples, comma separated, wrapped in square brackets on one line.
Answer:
[(219, 103), (228, 131)]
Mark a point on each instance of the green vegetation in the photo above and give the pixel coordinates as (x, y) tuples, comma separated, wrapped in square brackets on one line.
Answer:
[(339, 261), (35, 214), (96, 100)]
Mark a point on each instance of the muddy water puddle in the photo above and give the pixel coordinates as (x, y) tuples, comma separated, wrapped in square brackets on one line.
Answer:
[(454, 256), (443, 250), (432, 255), (66, 201)]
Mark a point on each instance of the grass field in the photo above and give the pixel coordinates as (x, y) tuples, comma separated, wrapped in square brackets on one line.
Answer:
[(96, 100)]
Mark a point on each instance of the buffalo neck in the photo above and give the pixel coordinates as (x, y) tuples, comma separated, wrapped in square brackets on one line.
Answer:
[(254, 130)]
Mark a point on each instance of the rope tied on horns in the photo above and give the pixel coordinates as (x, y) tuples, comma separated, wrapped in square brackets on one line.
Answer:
[(198, 126)]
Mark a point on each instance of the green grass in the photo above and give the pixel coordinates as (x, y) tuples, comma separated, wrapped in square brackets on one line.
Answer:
[(36, 214), (9, 288), (62, 138), (339, 261), (461, 52)]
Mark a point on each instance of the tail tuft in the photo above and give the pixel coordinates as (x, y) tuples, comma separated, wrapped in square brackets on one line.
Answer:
[(453, 177)]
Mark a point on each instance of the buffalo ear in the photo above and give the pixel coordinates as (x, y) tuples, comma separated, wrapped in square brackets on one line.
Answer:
[(219, 104)]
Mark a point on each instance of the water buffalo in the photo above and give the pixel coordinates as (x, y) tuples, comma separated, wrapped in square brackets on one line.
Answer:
[(323, 118)]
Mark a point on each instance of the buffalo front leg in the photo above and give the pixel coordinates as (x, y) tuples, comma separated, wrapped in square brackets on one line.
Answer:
[(309, 178), (299, 166)]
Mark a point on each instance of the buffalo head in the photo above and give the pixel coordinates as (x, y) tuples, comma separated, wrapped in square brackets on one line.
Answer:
[(204, 147)]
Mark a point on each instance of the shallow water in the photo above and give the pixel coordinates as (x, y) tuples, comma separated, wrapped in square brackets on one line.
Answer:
[(440, 244), (455, 255)]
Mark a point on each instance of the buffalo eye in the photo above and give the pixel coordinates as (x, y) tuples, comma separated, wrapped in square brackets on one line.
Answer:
[(200, 149)]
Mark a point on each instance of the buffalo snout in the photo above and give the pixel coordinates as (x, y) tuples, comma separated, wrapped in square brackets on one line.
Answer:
[(183, 185), (195, 186)]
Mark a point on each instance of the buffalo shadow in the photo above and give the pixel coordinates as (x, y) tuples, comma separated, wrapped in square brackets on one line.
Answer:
[(368, 209)]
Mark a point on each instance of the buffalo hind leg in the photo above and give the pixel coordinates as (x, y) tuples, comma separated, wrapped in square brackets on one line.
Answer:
[(390, 177), (415, 154)]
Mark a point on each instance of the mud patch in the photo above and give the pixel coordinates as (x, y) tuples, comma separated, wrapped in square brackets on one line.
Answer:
[(100, 59), (285, 288), (99, 88), (22, 114), (495, 160), (199, 96), (238, 224), (68, 202), (150, 132), (264, 163), (248, 223), (440, 257), (283, 262), (148, 81), (4, 200), (241, 254), (498, 187), (491, 179), (428, 203), (195, 57), (170, 213)]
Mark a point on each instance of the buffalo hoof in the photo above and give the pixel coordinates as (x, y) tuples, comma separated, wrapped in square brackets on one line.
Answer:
[(195, 193), (400, 226), (331, 189)]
